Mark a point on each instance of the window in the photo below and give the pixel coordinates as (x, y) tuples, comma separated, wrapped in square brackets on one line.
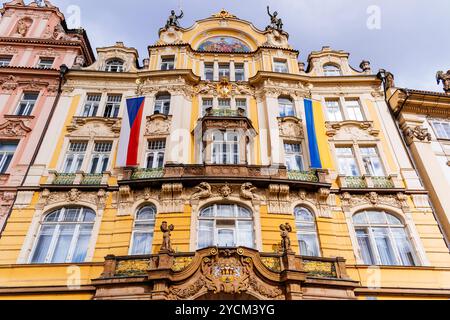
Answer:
[(91, 105), (45, 63), (64, 236), (353, 109), (144, 225), (286, 107), (207, 103), (225, 226), (442, 129), (100, 157), (114, 65), (347, 162), (209, 71), (5, 61), (168, 63), (224, 71), (372, 162), (225, 148), (239, 72), (155, 154), (224, 104), (382, 239), (7, 150), (242, 104), (330, 70), (294, 156), (74, 157), (27, 104), (162, 104), (112, 106), (280, 66), (306, 232), (333, 110)]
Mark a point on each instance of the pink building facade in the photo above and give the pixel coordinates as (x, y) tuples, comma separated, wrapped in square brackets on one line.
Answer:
[(34, 43)]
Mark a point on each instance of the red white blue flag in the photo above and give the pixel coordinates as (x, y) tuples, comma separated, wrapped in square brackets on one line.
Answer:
[(127, 155)]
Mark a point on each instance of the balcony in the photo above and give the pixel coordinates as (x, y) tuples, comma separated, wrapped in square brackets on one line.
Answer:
[(210, 112), (310, 176), (139, 174), (79, 179), (370, 182)]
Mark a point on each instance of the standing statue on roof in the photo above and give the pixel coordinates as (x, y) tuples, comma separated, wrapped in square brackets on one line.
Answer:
[(172, 21), (275, 22)]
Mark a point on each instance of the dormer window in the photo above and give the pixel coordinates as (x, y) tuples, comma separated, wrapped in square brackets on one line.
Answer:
[(114, 65), (331, 70), (45, 63), (168, 63), (280, 65)]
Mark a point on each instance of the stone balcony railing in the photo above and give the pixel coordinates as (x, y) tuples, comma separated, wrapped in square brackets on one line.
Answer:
[(370, 182), (228, 171), (210, 112), (79, 178)]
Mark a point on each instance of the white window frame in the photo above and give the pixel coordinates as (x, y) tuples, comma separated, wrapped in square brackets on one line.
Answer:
[(115, 65), (138, 230), (238, 73), (331, 116), (56, 233), (353, 157), (93, 105), (102, 154), (224, 70), (113, 103), (217, 157), (77, 156), (167, 63), (283, 107), (45, 63), (5, 61), (155, 152), (309, 226), (280, 65), (29, 104), (357, 112), (208, 66), (331, 70), (371, 157), (234, 219), (440, 130), (205, 105), (290, 156), (4, 155), (163, 104)]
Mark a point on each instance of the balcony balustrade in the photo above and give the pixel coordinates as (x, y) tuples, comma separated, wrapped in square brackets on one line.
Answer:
[(79, 178), (370, 182)]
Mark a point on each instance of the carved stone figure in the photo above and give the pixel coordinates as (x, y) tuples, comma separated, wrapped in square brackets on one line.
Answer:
[(285, 239), (390, 80), (172, 21), (23, 26), (166, 229), (418, 132), (275, 22), (203, 191), (445, 78), (225, 191), (73, 195), (248, 191), (79, 62), (365, 66)]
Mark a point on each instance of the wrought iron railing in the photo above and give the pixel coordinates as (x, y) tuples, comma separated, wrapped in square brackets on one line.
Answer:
[(147, 174), (92, 179), (383, 182), (64, 179), (308, 176), (225, 112), (355, 182)]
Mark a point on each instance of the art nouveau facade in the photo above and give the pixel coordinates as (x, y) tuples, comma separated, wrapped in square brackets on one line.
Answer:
[(237, 138), (34, 44)]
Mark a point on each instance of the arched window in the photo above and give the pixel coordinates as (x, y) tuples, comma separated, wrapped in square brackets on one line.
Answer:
[(225, 148), (383, 239), (306, 232), (286, 106), (162, 104), (144, 225), (114, 65), (225, 225), (64, 236), (331, 70)]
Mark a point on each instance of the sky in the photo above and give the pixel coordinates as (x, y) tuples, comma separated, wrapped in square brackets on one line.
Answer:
[(410, 38)]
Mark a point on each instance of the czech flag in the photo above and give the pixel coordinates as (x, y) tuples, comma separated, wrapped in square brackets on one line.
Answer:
[(127, 155)]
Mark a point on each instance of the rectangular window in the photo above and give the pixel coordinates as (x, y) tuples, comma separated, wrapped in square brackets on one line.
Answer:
[(239, 72), (242, 104), (112, 106), (225, 148), (91, 105), (294, 156), (45, 63), (365, 247), (162, 105), (286, 107), (372, 162), (333, 110), (442, 129), (353, 108), (224, 103), (207, 103), (27, 103), (155, 154), (7, 150), (280, 66), (209, 71), (168, 63), (224, 71), (5, 61), (347, 162), (75, 156), (100, 157)]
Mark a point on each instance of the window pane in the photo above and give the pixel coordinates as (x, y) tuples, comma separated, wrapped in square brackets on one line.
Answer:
[(43, 244), (205, 233), (225, 238), (245, 234), (81, 248), (384, 246), (142, 243), (308, 244), (364, 246), (403, 247), (63, 243), (333, 110)]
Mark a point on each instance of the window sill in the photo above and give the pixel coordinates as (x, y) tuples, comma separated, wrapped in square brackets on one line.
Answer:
[(15, 116)]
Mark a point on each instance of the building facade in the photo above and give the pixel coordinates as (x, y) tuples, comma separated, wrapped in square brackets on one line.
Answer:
[(34, 43), (257, 178)]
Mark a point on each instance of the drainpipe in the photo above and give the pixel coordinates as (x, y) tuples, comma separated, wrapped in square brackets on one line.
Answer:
[(62, 73), (382, 76)]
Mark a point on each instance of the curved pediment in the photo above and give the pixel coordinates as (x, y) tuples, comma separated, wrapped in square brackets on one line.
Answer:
[(94, 127), (351, 130), (224, 44)]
